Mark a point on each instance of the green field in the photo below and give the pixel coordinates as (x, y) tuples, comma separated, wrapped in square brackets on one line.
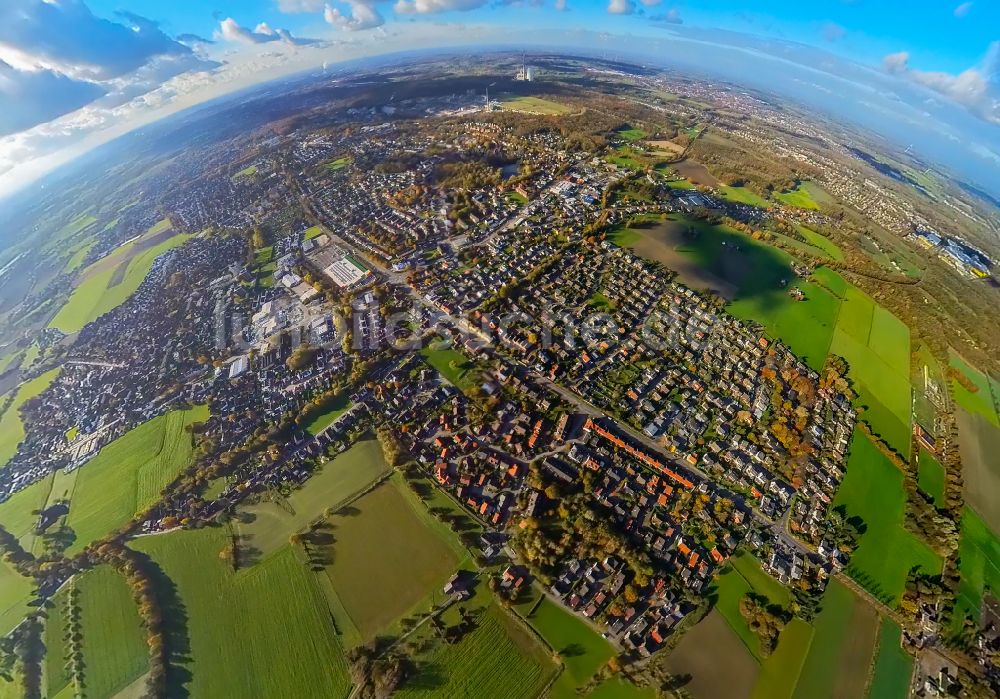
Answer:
[(338, 406), (77, 256), (982, 401), (535, 105), (821, 242), (248, 171), (57, 670), (266, 526), (497, 659), (582, 649), (128, 474), (97, 294), (807, 195), (806, 326), (841, 650), (741, 576), (931, 476), (114, 643), (679, 184), (339, 163), (780, 671), (631, 134), (742, 195), (872, 489), (876, 345), (452, 365), (11, 427), (893, 665), (384, 537), (978, 566), (262, 631), (312, 232), (17, 512), (626, 157), (16, 592)]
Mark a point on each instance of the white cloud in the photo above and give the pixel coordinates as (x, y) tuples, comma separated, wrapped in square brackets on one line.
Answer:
[(976, 88), (361, 15), (561, 5), (66, 37), (621, 7), (300, 6), (429, 7), (232, 31), (31, 97), (963, 9)]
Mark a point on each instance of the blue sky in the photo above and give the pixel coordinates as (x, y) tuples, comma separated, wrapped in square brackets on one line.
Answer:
[(75, 73)]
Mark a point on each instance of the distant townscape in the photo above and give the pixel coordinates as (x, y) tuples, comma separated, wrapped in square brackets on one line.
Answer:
[(525, 376)]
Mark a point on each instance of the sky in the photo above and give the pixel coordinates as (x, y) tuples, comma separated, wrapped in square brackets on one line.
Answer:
[(77, 73)]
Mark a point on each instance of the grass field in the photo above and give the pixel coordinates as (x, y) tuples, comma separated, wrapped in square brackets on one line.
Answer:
[(841, 648), (248, 171), (535, 105), (452, 365), (821, 242), (876, 345), (716, 659), (807, 195), (982, 401), (11, 427), (338, 164), (114, 643), (979, 444), (340, 404), (497, 659), (16, 592), (631, 134), (742, 195), (57, 672), (264, 631), (806, 326), (128, 475), (266, 526), (780, 671), (978, 566), (384, 537), (312, 232), (16, 513), (97, 294), (872, 489), (77, 255), (893, 666), (931, 476), (581, 648), (741, 576)]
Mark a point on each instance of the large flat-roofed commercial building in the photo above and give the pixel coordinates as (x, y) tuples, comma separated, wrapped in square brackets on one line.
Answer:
[(346, 271)]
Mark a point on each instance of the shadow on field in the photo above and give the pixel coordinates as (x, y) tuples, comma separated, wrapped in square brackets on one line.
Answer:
[(175, 626)]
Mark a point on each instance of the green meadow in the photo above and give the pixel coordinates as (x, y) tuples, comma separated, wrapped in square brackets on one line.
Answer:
[(103, 287), (872, 489), (128, 474), (893, 665), (744, 575), (876, 345), (262, 631), (978, 567)]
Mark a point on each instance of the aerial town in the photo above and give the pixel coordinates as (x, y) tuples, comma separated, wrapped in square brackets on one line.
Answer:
[(559, 339)]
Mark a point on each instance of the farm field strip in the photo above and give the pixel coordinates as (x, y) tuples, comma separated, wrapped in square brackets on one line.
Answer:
[(128, 474), (872, 489), (287, 645)]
